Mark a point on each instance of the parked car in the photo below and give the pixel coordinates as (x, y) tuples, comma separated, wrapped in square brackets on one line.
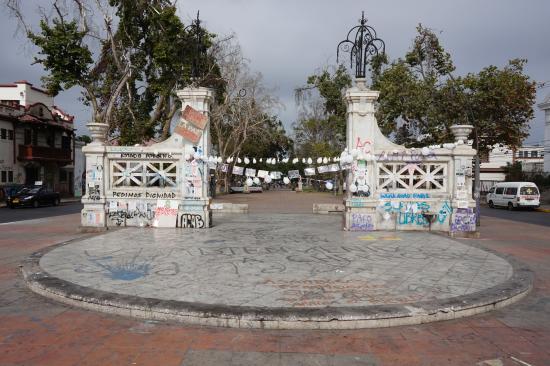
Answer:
[(34, 196), (9, 190), (514, 195)]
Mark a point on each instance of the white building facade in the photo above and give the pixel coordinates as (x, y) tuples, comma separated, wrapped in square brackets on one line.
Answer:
[(492, 167), (36, 140), (545, 106)]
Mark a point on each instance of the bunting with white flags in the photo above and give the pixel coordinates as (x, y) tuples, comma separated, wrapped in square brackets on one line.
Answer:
[(237, 170), (309, 171)]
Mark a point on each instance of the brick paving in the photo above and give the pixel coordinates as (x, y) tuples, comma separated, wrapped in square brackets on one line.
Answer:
[(37, 331)]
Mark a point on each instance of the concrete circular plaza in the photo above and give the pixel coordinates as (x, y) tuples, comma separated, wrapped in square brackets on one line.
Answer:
[(278, 271)]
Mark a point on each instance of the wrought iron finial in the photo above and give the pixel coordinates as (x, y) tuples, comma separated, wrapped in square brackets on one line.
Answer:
[(362, 47), (200, 49)]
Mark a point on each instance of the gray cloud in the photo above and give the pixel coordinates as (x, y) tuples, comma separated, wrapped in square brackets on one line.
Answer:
[(287, 40)]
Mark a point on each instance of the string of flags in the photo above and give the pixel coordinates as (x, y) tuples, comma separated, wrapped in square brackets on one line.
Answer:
[(342, 162), (349, 156)]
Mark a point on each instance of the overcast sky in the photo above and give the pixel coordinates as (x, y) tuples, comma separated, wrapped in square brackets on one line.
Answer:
[(287, 40)]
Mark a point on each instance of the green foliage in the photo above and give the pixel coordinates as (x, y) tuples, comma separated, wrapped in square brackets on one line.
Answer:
[(501, 103), (269, 140), (323, 134), (420, 98), (144, 53), (84, 138), (64, 54)]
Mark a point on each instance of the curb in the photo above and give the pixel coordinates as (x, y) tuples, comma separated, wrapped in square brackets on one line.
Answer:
[(374, 316), (547, 210)]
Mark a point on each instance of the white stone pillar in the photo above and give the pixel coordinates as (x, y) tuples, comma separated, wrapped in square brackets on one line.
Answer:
[(94, 200), (363, 135), (195, 211)]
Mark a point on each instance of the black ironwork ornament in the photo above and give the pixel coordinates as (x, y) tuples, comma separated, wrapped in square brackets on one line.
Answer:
[(362, 47)]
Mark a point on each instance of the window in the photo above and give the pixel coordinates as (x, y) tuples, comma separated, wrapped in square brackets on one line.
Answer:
[(534, 154), (10, 134), (4, 176), (512, 191), (66, 142), (492, 190), (499, 190), (35, 137), (529, 191), (28, 136), (3, 133), (10, 176), (50, 139)]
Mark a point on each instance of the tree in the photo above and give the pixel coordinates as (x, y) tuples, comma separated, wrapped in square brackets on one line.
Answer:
[(321, 127), (128, 61), (415, 93), (420, 98), (242, 115), (499, 103)]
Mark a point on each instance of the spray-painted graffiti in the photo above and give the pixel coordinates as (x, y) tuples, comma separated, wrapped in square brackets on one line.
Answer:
[(464, 219), (362, 222), (131, 213), (190, 221), (166, 213), (415, 213), (364, 145)]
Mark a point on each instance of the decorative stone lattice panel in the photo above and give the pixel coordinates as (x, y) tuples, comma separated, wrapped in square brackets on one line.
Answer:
[(400, 176), (130, 174)]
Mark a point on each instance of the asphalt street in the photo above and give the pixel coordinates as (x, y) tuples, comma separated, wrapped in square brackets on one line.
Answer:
[(29, 213), (526, 216)]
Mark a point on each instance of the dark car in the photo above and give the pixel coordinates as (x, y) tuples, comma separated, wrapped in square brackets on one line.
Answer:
[(34, 196)]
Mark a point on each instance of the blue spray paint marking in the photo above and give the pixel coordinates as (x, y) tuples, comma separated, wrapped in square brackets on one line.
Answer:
[(125, 270)]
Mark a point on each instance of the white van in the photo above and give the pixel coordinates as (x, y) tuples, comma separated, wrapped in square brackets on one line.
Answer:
[(514, 195)]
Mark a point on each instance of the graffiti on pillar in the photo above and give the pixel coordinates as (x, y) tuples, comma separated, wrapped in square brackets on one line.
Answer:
[(191, 220), (363, 145), (130, 213), (166, 212), (464, 220), (416, 213), (362, 222)]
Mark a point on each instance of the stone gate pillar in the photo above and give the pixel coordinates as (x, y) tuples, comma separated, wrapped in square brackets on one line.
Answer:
[(363, 139), (94, 199), (194, 127), (392, 187)]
